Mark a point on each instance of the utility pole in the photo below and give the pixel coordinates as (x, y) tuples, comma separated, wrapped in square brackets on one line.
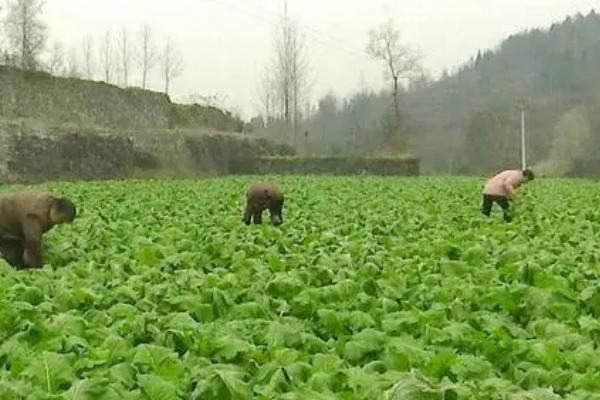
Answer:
[(286, 67), (523, 138)]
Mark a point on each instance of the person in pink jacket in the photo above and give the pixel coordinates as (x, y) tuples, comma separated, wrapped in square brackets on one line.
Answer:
[(502, 188)]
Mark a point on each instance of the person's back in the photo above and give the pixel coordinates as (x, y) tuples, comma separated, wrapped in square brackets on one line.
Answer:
[(261, 196), (24, 217), (502, 188), (499, 185), (14, 207)]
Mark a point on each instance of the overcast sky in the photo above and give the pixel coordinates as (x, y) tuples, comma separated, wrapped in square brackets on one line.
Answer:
[(227, 43)]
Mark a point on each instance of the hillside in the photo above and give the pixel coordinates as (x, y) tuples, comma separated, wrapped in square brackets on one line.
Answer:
[(64, 128), (469, 122), (43, 98)]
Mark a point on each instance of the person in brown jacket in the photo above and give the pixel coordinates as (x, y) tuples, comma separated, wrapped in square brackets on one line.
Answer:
[(24, 218), (262, 196)]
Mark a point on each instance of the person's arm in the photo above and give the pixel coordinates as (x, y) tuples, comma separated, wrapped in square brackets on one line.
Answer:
[(508, 186), (510, 190), (32, 232)]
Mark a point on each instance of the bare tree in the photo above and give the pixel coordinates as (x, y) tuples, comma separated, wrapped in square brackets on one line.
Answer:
[(573, 140), (87, 52), (266, 96), (146, 53), (26, 32), (283, 68), (289, 74), (172, 64), (56, 61), (419, 81), (400, 61), (298, 76), (72, 67), (124, 55), (7, 56), (106, 57)]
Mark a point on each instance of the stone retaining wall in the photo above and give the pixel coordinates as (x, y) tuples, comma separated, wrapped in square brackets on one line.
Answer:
[(34, 155)]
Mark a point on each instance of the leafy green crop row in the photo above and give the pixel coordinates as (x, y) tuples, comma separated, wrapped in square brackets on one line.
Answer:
[(372, 288)]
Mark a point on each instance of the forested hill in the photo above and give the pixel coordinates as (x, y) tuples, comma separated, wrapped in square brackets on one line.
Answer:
[(469, 122)]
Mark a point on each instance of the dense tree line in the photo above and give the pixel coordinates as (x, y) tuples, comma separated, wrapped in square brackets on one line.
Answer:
[(468, 121)]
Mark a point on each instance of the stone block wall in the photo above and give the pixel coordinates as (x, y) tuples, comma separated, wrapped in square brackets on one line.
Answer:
[(28, 155)]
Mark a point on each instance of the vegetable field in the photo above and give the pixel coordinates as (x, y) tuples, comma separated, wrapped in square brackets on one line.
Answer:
[(372, 288)]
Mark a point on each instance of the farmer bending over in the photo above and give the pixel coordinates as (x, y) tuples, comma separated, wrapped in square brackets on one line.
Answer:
[(24, 218), (502, 188)]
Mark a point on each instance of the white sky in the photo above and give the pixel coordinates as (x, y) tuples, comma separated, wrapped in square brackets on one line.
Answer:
[(227, 43)]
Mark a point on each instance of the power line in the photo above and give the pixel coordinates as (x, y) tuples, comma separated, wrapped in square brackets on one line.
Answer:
[(318, 36), (323, 35), (244, 11)]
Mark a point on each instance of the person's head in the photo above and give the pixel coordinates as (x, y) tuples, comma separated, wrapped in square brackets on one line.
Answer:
[(62, 210), (528, 174)]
